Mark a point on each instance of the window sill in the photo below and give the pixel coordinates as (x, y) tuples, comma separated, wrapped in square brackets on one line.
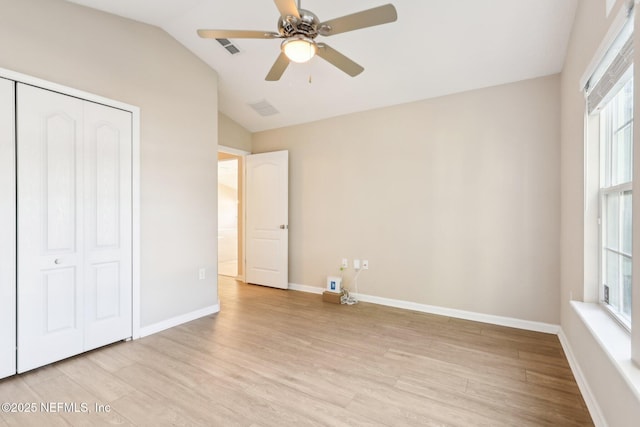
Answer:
[(613, 339)]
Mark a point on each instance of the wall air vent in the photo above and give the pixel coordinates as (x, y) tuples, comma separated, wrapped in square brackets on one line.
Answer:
[(264, 108), (231, 48)]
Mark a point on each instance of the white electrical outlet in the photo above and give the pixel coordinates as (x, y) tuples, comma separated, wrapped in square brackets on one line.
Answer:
[(202, 273), (345, 263), (356, 264), (365, 264)]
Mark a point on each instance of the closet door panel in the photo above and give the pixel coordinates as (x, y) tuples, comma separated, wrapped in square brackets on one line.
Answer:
[(50, 226), (108, 238), (7, 230)]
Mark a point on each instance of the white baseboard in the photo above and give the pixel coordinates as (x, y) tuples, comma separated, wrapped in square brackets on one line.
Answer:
[(305, 288), (529, 325), (589, 399), (178, 320), (462, 314)]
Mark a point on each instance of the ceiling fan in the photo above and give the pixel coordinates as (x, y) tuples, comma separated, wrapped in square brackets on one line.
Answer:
[(299, 29)]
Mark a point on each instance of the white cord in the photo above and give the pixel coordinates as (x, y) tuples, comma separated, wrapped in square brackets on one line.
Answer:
[(347, 298)]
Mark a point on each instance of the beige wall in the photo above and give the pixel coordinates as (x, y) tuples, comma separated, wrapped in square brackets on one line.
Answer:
[(618, 404), (454, 201), (589, 29), (177, 94), (232, 135)]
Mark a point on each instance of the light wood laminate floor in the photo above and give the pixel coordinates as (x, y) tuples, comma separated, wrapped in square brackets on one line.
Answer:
[(285, 358)]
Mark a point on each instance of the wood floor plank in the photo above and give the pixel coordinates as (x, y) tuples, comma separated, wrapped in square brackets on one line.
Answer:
[(301, 408), (567, 385), (77, 405), (97, 381), (16, 391), (557, 359), (33, 378), (394, 406), (283, 358), (457, 405), (529, 405), (109, 358), (183, 402), (144, 410)]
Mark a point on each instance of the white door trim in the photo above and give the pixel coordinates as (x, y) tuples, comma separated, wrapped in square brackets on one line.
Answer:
[(243, 154), (231, 150), (135, 173), (8, 231)]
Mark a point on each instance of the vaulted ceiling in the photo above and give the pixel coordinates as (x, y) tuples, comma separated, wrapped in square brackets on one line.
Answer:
[(435, 48)]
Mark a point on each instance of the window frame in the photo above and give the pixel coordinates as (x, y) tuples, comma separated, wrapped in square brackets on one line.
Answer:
[(608, 186)]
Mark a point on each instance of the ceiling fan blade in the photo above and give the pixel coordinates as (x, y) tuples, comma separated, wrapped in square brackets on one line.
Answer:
[(237, 34), (334, 57), (287, 8), (366, 18), (278, 68)]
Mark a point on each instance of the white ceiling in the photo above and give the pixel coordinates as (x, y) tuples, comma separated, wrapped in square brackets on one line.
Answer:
[(436, 47)]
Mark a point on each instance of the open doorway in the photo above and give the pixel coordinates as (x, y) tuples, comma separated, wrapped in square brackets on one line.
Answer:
[(230, 215)]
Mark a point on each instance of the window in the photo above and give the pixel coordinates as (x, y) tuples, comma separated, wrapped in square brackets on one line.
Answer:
[(609, 93), (616, 153), (608, 215)]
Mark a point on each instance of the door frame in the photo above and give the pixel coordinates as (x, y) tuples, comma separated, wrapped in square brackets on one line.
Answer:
[(135, 174), (241, 228), (8, 257)]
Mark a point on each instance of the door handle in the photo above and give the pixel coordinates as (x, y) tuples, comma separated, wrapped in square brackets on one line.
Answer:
[(284, 227), (57, 261)]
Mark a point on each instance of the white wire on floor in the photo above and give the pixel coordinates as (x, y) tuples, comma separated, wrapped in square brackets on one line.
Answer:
[(347, 297)]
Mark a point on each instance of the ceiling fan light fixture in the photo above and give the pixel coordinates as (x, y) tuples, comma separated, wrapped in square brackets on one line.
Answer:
[(299, 49)]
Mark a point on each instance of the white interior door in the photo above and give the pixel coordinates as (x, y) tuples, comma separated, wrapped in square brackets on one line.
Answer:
[(107, 244), (74, 226), (267, 219), (50, 226), (7, 230)]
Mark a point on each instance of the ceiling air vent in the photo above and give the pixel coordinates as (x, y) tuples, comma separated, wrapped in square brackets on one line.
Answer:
[(231, 48), (264, 108)]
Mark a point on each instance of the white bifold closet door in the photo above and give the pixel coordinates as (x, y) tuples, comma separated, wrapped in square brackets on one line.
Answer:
[(7, 230), (74, 226)]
